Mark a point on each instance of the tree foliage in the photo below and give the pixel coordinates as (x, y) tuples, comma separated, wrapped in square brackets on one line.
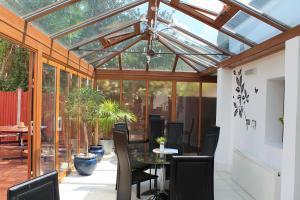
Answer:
[(13, 66)]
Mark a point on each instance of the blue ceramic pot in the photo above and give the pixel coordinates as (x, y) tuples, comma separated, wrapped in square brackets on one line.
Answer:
[(85, 165), (98, 150)]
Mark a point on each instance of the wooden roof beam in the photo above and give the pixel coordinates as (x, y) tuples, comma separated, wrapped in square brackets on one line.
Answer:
[(256, 14), (114, 54), (270, 46), (227, 13), (208, 21), (196, 37), (97, 37), (96, 19), (48, 9), (175, 63), (202, 10)]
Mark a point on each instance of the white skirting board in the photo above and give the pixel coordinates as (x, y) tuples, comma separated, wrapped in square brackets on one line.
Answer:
[(259, 180)]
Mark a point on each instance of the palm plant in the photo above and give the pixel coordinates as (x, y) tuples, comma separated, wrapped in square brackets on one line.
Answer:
[(84, 102), (110, 113)]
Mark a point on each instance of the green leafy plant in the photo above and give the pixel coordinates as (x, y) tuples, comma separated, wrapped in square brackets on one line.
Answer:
[(161, 140), (111, 113), (84, 102)]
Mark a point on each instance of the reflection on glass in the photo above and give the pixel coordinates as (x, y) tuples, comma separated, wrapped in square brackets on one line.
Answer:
[(134, 94), (160, 98), (63, 123), (48, 119), (74, 122), (251, 28), (183, 66), (187, 110), (110, 89), (208, 33), (286, 11)]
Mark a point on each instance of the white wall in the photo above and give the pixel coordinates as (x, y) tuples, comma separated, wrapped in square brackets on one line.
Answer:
[(251, 142)]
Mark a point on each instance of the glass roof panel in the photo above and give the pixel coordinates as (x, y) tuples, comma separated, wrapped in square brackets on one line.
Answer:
[(88, 48), (111, 64), (75, 14), (104, 25), (202, 30), (101, 53), (183, 66), (190, 54), (135, 57), (251, 28), (215, 6), (286, 11), (198, 66), (23, 7)]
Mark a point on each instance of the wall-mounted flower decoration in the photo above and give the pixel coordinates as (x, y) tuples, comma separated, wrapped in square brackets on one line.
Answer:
[(241, 97)]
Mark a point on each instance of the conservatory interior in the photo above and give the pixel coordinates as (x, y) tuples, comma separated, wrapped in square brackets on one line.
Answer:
[(227, 68)]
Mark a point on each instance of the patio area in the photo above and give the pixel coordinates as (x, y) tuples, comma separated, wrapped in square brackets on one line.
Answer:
[(102, 184)]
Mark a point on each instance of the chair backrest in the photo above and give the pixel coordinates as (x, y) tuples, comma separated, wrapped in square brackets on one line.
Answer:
[(156, 116), (210, 142), (43, 187), (122, 126), (156, 129), (192, 177), (175, 135), (124, 179)]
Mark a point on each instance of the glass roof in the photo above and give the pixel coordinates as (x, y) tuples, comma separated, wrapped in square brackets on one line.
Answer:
[(23, 7), (198, 28), (286, 11), (193, 41), (251, 28), (104, 25), (183, 66)]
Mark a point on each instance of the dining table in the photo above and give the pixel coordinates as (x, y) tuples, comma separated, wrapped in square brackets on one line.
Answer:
[(161, 160), (8, 131)]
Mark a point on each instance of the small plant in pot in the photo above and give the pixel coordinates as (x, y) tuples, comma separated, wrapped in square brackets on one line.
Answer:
[(109, 114), (84, 102), (161, 141)]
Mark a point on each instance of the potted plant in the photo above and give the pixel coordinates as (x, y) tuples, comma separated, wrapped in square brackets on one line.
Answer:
[(84, 102), (109, 114)]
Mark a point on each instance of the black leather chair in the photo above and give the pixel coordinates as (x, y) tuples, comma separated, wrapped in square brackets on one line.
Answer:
[(44, 187), (210, 141), (175, 136), (156, 129), (127, 175), (192, 178)]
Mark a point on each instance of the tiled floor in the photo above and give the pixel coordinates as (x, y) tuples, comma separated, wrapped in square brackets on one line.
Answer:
[(12, 171), (101, 185)]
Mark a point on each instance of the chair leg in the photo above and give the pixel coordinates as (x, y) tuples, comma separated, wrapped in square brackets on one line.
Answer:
[(117, 178), (155, 181), (138, 190)]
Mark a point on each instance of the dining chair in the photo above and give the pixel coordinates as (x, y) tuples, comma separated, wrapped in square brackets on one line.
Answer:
[(210, 141), (156, 129), (127, 175), (175, 136), (192, 178), (43, 187)]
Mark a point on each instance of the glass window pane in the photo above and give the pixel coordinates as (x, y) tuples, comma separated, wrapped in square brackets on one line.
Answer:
[(110, 89), (88, 48), (134, 58), (48, 119), (202, 30), (22, 7), (183, 66), (104, 25), (64, 125), (163, 60), (75, 14), (251, 28), (160, 100), (187, 110), (208, 106), (134, 99), (286, 11), (111, 64)]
